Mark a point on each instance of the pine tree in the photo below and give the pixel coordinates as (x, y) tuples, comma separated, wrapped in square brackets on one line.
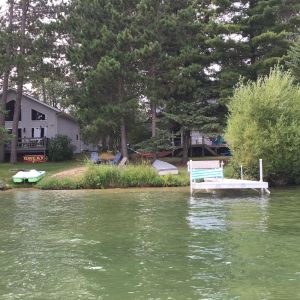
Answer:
[(293, 59), (103, 56), (6, 63), (252, 36), (21, 67), (191, 85), (32, 45)]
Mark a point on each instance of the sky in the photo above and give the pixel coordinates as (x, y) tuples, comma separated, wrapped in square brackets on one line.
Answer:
[(2, 6), (2, 2)]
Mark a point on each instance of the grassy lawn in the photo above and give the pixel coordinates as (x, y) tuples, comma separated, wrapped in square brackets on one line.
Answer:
[(8, 170)]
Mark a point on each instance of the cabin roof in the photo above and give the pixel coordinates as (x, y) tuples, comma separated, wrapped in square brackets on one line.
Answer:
[(59, 112)]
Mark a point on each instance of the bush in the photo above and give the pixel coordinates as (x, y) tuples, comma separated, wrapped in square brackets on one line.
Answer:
[(59, 184), (107, 176), (264, 123), (60, 148)]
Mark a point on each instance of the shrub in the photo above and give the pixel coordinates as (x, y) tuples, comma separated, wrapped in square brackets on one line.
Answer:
[(107, 176), (59, 184), (264, 123), (60, 148), (100, 177)]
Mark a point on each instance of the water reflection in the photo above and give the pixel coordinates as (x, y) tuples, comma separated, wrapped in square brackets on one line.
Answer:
[(149, 245), (216, 212), (216, 246)]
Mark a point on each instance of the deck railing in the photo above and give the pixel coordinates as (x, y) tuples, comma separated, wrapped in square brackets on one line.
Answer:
[(31, 143)]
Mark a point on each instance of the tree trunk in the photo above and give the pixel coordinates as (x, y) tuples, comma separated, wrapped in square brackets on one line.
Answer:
[(185, 146), (124, 150), (44, 91), (3, 99), (2, 111), (153, 125), (153, 118), (20, 81), (15, 124)]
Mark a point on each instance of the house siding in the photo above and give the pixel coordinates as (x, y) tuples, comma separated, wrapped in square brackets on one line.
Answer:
[(26, 124), (53, 125), (70, 129)]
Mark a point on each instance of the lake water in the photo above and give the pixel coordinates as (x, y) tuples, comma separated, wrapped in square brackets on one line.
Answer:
[(151, 244)]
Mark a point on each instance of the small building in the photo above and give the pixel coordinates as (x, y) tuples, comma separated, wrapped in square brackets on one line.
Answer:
[(39, 122)]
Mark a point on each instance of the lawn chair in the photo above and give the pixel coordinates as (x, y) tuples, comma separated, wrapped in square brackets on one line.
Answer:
[(95, 158), (123, 162), (117, 159)]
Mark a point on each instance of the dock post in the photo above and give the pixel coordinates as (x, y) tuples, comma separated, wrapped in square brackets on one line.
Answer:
[(260, 170), (191, 180), (261, 174)]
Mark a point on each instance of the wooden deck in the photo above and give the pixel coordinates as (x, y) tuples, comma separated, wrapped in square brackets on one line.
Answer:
[(30, 145), (211, 149)]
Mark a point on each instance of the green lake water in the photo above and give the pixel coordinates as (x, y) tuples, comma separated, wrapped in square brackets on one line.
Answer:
[(150, 244)]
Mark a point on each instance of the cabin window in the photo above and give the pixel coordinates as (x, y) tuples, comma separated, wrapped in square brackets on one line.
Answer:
[(19, 132), (10, 108), (36, 115), (38, 132)]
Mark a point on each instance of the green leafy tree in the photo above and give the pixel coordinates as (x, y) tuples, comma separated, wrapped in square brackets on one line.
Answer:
[(264, 123)]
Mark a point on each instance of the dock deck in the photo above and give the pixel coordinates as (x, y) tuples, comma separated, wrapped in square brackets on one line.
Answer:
[(219, 183), (212, 178)]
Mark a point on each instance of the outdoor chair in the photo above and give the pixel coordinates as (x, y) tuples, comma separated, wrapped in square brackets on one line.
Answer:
[(95, 158)]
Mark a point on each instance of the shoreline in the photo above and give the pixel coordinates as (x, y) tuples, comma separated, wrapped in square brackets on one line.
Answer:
[(109, 190)]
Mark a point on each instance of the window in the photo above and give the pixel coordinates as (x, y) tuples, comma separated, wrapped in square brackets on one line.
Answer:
[(38, 132), (35, 115), (19, 132), (10, 108)]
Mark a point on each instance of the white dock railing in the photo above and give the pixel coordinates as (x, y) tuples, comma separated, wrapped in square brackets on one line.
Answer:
[(212, 174)]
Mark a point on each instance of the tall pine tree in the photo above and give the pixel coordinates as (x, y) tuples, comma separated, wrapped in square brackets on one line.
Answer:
[(251, 37), (102, 54)]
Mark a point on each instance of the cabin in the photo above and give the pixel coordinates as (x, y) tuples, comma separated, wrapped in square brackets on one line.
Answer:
[(38, 123)]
